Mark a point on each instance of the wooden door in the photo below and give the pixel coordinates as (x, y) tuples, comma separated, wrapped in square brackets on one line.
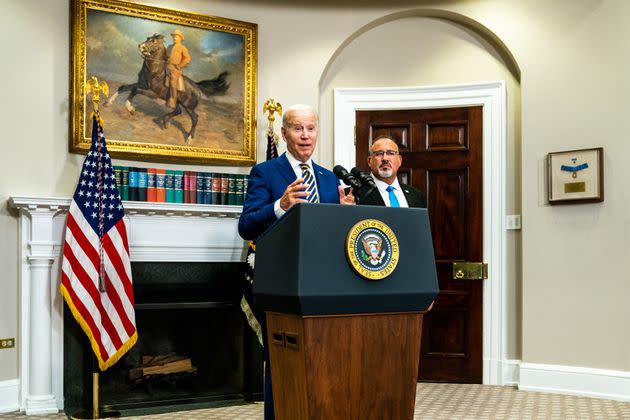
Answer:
[(442, 156)]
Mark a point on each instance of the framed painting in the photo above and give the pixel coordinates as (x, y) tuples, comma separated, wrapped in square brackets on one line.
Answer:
[(576, 176), (182, 86)]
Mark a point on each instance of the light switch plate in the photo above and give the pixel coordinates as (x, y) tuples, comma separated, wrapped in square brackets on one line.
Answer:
[(513, 221)]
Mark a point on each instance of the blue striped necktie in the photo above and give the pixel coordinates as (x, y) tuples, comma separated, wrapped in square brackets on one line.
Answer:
[(309, 180), (393, 201)]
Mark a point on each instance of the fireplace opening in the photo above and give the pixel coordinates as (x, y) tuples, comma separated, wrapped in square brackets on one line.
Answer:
[(194, 346)]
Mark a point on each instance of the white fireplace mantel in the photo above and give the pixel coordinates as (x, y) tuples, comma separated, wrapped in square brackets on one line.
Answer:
[(157, 232)]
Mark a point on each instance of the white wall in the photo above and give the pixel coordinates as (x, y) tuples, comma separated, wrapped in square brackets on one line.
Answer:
[(33, 135), (574, 62), (575, 89)]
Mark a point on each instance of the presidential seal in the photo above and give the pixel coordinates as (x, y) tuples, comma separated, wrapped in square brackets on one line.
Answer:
[(372, 249)]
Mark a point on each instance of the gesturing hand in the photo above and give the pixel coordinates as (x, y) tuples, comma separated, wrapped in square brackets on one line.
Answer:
[(293, 194), (347, 199)]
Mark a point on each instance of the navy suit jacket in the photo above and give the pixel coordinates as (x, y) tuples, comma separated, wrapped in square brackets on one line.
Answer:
[(267, 182)]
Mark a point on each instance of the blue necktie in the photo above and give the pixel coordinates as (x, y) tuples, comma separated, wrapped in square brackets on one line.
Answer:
[(309, 180), (393, 201)]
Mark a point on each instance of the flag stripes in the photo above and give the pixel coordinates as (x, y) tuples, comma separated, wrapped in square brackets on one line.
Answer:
[(272, 150), (82, 315), (87, 288)]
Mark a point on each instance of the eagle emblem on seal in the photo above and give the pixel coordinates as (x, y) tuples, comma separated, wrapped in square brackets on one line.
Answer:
[(372, 249), (373, 245)]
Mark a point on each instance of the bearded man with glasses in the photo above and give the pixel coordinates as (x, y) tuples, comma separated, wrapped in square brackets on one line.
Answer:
[(384, 161)]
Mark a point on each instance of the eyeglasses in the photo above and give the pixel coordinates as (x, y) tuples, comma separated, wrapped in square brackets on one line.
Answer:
[(381, 153), (298, 129)]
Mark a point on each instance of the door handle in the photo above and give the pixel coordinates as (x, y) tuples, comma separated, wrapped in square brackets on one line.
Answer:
[(470, 271)]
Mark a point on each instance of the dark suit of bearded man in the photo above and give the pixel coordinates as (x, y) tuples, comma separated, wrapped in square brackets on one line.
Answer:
[(413, 196)]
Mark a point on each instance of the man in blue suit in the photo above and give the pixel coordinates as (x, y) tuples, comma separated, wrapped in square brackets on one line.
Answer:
[(277, 185)]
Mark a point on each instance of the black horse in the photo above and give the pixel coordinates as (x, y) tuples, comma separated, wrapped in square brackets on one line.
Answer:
[(152, 82)]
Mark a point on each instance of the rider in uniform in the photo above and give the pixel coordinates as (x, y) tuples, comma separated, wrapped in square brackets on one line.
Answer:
[(177, 61)]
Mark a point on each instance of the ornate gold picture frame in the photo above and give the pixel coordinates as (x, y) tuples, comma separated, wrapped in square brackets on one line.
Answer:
[(206, 115), (576, 176)]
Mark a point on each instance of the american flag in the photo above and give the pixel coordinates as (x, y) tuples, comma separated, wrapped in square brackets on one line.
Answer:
[(253, 313), (272, 138), (96, 272)]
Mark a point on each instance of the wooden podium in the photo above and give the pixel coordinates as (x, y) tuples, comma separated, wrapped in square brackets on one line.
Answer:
[(342, 346)]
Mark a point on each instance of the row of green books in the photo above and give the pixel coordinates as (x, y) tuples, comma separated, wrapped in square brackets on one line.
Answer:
[(173, 186)]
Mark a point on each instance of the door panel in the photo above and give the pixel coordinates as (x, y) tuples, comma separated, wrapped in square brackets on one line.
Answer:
[(442, 156), (446, 136), (445, 198)]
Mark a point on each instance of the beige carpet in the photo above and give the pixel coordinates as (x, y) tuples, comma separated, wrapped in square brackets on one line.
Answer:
[(443, 401)]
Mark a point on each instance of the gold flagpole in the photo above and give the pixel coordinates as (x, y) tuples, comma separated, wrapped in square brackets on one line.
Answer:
[(95, 401), (96, 87)]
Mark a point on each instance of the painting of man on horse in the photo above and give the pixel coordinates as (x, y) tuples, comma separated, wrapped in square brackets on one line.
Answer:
[(162, 77), (189, 95)]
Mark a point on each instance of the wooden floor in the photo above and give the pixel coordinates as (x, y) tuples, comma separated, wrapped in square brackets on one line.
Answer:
[(442, 401)]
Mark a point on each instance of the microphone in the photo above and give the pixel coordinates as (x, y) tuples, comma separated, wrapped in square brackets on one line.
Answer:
[(349, 179), (367, 181), (363, 177)]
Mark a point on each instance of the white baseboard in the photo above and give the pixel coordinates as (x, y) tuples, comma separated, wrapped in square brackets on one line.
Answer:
[(511, 372), (571, 380), (9, 395)]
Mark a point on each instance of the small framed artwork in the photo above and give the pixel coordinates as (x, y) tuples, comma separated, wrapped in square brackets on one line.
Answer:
[(576, 176)]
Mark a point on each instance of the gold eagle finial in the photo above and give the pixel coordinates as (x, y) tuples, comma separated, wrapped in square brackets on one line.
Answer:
[(272, 107), (95, 87)]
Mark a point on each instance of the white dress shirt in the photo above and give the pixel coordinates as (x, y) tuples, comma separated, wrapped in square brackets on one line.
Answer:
[(295, 164), (382, 188)]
